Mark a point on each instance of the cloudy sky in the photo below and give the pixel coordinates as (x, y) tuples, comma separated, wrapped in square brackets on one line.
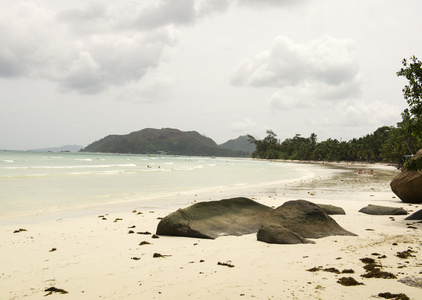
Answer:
[(73, 71)]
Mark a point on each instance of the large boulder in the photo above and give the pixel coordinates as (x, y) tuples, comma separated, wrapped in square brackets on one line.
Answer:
[(382, 210), (407, 185), (236, 216), (305, 219)]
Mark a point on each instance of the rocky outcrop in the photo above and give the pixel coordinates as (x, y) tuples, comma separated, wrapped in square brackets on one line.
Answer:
[(236, 216), (382, 210), (304, 219), (292, 223), (331, 209), (408, 184), (415, 216)]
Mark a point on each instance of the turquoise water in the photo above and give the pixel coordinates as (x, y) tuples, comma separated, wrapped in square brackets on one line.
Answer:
[(38, 182)]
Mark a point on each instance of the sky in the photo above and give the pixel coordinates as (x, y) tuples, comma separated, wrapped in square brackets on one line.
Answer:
[(73, 71)]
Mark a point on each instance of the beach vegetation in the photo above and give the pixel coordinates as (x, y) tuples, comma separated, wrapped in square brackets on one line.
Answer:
[(373, 147), (267, 148), (411, 125)]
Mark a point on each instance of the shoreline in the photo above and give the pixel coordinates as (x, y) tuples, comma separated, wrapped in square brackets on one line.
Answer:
[(99, 258)]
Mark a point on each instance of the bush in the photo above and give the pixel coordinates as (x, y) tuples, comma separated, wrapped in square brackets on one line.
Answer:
[(413, 164)]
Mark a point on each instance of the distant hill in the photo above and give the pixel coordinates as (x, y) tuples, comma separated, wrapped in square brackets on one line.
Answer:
[(65, 148), (239, 144), (161, 141)]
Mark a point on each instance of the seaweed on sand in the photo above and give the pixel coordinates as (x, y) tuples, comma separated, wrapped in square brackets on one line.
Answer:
[(348, 281), (388, 295), (373, 270)]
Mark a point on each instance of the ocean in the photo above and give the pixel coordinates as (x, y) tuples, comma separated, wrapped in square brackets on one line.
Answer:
[(34, 183)]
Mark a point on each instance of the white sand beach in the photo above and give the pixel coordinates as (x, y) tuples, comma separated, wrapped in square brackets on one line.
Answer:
[(94, 256)]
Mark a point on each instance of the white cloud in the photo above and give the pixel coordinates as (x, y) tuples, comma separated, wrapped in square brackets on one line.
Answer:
[(326, 60), (289, 99), (152, 88), (358, 114), (320, 70), (242, 125), (166, 12), (257, 3), (83, 74), (206, 7), (93, 11)]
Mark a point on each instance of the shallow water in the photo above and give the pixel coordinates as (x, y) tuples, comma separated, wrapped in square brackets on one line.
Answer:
[(43, 182)]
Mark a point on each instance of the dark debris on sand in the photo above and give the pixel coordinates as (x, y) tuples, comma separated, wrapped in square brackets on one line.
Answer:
[(373, 270), (157, 255), (405, 254), (53, 289), (389, 295), (348, 281), (227, 264)]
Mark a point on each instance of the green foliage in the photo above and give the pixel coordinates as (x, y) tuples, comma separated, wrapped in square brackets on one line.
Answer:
[(413, 164), (412, 92), (385, 144), (268, 148), (411, 126)]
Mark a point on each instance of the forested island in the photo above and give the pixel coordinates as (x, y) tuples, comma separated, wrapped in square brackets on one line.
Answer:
[(171, 142)]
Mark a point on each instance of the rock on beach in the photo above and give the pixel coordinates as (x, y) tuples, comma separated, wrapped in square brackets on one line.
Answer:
[(407, 185), (236, 216), (305, 219), (291, 223), (382, 210)]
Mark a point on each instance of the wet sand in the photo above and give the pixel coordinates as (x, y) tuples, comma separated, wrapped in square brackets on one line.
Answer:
[(114, 254)]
